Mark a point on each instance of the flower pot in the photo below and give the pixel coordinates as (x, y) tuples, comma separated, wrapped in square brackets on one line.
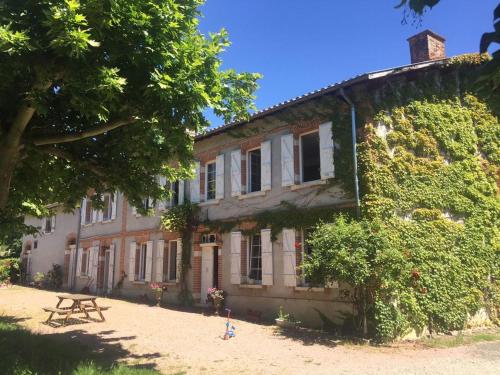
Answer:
[(217, 305)]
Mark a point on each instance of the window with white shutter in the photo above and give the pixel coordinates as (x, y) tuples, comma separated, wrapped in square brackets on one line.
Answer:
[(113, 205), (289, 257), (160, 250), (219, 181), (195, 184), (255, 259), (79, 262), (287, 169), (178, 261), (111, 267), (149, 261), (210, 181), (131, 261), (235, 173), (254, 170), (236, 258), (326, 151), (265, 159), (267, 257)]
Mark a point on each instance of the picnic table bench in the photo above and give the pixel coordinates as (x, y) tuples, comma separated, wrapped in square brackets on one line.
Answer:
[(80, 304)]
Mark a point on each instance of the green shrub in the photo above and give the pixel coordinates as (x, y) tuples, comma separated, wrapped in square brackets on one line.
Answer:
[(9, 270)]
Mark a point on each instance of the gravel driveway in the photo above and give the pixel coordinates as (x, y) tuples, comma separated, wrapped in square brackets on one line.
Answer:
[(174, 341)]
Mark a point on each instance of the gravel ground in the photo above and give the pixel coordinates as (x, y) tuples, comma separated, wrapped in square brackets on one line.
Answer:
[(175, 341)]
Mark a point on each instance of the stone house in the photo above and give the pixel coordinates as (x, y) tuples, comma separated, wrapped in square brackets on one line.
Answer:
[(285, 154)]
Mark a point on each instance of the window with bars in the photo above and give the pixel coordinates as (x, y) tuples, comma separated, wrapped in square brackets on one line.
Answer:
[(254, 170), (255, 259), (211, 175)]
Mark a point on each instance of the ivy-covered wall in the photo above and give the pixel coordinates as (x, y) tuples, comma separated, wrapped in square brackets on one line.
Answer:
[(429, 163)]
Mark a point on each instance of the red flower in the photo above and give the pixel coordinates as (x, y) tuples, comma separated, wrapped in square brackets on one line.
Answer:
[(298, 245)]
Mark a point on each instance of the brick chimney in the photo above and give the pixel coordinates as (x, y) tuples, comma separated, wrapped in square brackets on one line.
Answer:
[(426, 46)]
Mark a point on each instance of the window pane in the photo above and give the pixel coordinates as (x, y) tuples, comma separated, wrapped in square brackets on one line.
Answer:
[(211, 176), (172, 262), (255, 258), (175, 193), (83, 270), (311, 169), (88, 212), (106, 210), (254, 165), (165, 264), (48, 224), (142, 275)]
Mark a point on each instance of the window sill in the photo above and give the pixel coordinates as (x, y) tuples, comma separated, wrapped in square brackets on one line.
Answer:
[(309, 289), (304, 185), (211, 202), (83, 277), (252, 195), (170, 283), (138, 282), (251, 286)]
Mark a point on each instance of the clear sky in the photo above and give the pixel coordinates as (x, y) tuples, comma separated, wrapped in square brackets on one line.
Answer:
[(303, 45)]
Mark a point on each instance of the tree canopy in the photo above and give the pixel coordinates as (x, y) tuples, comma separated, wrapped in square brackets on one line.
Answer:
[(105, 94)]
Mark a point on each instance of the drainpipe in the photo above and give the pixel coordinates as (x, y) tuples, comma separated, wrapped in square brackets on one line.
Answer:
[(77, 245), (354, 152)]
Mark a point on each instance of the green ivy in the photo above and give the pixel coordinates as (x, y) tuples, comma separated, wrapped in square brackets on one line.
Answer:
[(430, 197)]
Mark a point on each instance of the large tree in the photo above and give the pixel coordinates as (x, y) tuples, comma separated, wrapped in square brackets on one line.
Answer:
[(104, 94)]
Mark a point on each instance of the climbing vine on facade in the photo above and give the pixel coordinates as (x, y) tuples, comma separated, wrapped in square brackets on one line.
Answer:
[(429, 161)]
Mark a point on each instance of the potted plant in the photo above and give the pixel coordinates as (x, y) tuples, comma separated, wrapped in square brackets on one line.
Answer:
[(158, 290), (39, 279), (217, 298), (285, 320)]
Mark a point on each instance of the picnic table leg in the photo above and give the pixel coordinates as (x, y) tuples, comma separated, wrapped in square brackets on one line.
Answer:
[(70, 311), (59, 303), (83, 310), (49, 318), (98, 309)]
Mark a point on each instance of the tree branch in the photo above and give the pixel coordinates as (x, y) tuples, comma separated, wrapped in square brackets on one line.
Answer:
[(64, 138), (87, 164)]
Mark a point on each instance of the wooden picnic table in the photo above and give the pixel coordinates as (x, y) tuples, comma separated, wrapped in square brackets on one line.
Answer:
[(78, 305)]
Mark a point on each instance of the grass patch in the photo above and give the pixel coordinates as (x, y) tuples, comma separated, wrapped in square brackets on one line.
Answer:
[(25, 353), (460, 339)]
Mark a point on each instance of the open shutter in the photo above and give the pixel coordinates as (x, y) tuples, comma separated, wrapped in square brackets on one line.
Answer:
[(236, 258), (52, 223), (149, 260), (181, 192), (179, 261), (160, 249), (195, 184), (235, 173), (94, 216), (71, 271), (111, 267), (95, 263), (100, 213), (326, 151), (219, 176), (83, 210), (287, 170), (79, 262), (44, 224), (114, 196), (162, 181), (267, 257), (265, 166), (289, 257), (131, 261)]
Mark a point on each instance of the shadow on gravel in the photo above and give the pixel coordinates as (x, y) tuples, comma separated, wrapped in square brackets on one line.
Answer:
[(24, 352)]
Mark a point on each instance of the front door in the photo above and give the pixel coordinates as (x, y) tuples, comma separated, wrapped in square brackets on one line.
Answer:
[(207, 271)]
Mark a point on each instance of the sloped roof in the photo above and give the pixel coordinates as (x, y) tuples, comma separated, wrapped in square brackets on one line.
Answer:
[(379, 74)]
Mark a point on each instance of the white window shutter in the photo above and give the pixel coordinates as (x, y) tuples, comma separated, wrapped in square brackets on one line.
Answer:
[(181, 192), (83, 210), (149, 260), (179, 261), (160, 249), (79, 262), (162, 181), (95, 263), (287, 170), (195, 184), (219, 176), (235, 173), (94, 216), (326, 151), (44, 219), (113, 205), (267, 257), (111, 266), (100, 213), (235, 257), (265, 166), (289, 257), (52, 223), (131, 261)]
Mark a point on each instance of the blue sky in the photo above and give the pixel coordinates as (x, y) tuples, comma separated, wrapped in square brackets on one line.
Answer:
[(303, 45)]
